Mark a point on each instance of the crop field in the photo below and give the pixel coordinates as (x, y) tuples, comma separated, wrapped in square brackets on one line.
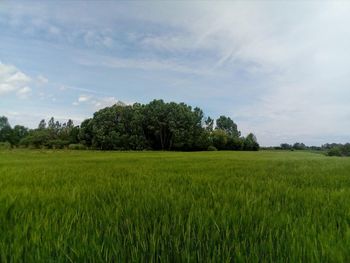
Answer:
[(89, 206)]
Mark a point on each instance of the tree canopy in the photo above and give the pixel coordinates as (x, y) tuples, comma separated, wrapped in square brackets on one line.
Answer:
[(157, 125)]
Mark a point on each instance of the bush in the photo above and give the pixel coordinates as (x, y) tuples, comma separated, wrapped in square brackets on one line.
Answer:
[(57, 144), (212, 148), (219, 139), (76, 147), (5, 145), (340, 150), (335, 151)]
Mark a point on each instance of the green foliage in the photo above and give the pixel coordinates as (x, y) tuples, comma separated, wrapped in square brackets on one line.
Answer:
[(18, 132), (172, 126), (235, 143), (250, 143), (85, 134), (299, 146), (84, 206), (339, 150), (57, 144), (286, 146), (226, 124), (116, 128), (212, 148), (5, 130), (54, 136), (77, 146), (37, 138), (5, 146), (219, 139), (157, 125), (336, 151)]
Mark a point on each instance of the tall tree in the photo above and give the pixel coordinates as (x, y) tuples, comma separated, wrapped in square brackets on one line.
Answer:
[(5, 130), (42, 125), (18, 133), (250, 143), (226, 124), (209, 124)]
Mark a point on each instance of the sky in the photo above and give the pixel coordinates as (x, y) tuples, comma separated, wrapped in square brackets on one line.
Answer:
[(279, 69)]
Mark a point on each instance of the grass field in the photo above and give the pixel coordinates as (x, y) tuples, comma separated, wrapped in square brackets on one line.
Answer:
[(71, 206)]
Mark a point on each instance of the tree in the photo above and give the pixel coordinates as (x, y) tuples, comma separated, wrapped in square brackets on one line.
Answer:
[(18, 133), (116, 128), (250, 143), (219, 139), (299, 146), (173, 125), (85, 135), (4, 122), (286, 146), (5, 130), (209, 124), (226, 124), (36, 138), (42, 125), (157, 125), (235, 143)]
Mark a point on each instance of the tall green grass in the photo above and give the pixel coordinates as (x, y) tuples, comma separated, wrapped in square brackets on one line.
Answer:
[(71, 206)]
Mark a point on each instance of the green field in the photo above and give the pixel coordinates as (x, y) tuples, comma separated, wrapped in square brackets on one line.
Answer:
[(71, 206)]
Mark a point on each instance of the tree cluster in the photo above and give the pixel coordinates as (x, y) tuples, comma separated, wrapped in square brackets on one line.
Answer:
[(331, 149), (154, 126), (298, 146), (336, 149)]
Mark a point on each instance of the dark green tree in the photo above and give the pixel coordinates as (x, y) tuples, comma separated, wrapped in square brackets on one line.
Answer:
[(5, 130), (18, 133), (250, 143), (226, 124)]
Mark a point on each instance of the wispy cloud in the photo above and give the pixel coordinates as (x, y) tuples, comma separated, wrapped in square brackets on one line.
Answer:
[(84, 98), (24, 93), (97, 102), (42, 80), (143, 64), (13, 80)]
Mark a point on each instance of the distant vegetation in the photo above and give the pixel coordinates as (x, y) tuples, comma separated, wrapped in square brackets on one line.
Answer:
[(153, 126), (331, 149), (338, 149)]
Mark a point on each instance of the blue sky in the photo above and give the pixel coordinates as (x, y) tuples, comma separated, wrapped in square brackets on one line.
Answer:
[(279, 69)]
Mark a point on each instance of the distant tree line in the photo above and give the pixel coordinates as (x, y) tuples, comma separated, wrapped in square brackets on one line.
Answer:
[(337, 149), (298, 146), (331, 149), (154, 126)]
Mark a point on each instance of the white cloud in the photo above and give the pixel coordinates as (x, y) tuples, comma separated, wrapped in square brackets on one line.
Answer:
[(96, 102), (13, 80), (42, 80), (23, 93), (84, 98), (103, 102), (143, 64)]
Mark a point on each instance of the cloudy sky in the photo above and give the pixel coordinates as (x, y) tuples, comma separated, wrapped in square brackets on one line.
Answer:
[(279, 69)]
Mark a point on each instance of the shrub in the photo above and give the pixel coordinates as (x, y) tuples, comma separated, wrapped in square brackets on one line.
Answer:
[(76, 147), (340, 150), (212, 148), (335, 151), (5, 145), (57, 144), (219, 139)]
